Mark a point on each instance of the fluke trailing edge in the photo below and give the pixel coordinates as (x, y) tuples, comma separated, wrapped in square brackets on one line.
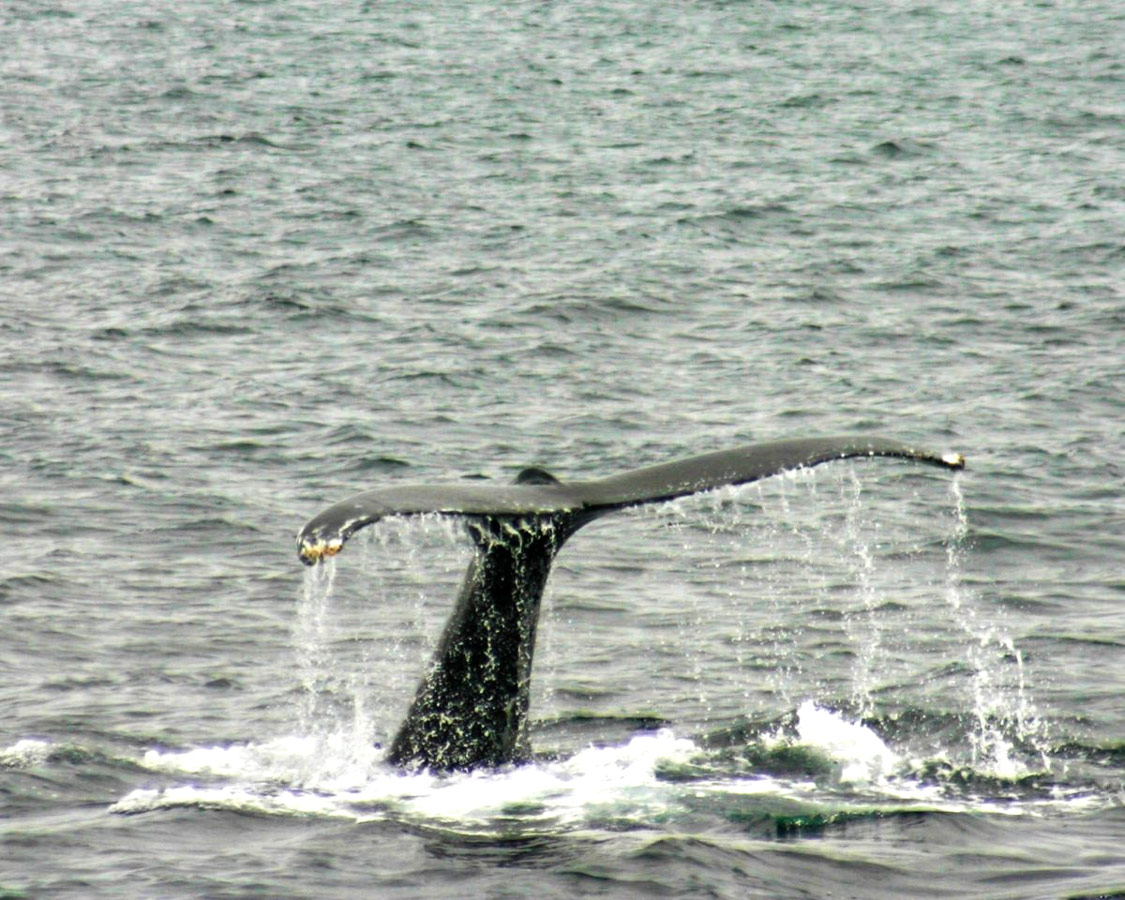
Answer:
[(471, 706)]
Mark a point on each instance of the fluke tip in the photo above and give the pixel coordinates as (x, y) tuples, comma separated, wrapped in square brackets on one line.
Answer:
[(312, 553)]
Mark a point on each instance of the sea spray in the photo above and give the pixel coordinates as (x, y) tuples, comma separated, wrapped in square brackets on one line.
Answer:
[(379, 612), (857, 551), (310, 641), (858, 573), (823, 560), (1002, 712), (858, 754)]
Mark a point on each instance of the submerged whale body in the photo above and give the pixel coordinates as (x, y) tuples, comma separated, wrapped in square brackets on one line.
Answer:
[(471, 708)]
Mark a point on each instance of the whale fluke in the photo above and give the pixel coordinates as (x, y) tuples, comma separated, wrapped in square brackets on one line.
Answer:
[(471, 707), (537, 492)]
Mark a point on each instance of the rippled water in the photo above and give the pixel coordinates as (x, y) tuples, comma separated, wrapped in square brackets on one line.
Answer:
[(256, 256)]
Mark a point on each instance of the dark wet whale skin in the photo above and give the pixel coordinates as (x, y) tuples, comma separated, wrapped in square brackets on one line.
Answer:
[(471, 708)]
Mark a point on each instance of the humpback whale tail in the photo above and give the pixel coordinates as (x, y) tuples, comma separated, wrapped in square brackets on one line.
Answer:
[(471, 707)]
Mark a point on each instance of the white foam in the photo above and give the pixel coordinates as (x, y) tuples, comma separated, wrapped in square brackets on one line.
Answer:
[(235, 798), (321, 762), (25, 753), (622, 776), (309, 776), (306, 776), (859, 752)]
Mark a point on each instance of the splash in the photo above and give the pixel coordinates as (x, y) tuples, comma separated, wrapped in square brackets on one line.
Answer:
[(310, 639), (868, 612), (857, 551), (1001, 708), (292, 777), (865, 561), (653, 779), (332, 763), (362, 633), (858, 753)]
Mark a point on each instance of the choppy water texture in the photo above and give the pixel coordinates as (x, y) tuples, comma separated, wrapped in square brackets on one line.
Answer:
[(255, 256)]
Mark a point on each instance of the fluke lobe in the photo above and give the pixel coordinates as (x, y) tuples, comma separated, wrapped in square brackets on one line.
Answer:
[(471, 708)]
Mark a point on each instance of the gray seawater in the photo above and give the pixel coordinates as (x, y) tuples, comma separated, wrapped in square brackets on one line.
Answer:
[(255, 256)]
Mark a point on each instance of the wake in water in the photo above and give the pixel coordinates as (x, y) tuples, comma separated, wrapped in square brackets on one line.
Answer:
[(824, 761)]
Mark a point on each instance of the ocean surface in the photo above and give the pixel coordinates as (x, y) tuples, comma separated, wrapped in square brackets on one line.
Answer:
[(258, 256)]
